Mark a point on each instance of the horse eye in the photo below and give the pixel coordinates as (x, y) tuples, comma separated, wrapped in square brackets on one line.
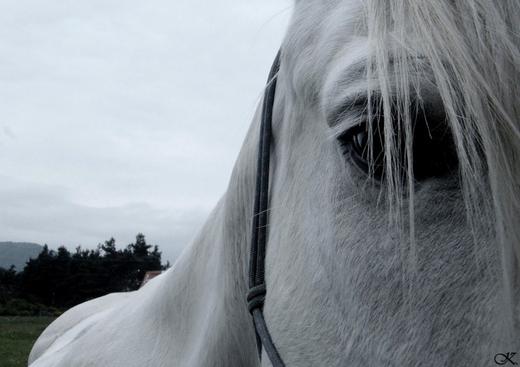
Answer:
[(433, 150), (366, 152)]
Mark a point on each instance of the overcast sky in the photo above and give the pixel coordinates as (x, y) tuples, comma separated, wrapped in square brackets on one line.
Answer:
[(118, 117)]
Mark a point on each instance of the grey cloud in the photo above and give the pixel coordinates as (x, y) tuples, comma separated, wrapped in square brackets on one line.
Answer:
[(45, 214), (127, 117), (8, 132)]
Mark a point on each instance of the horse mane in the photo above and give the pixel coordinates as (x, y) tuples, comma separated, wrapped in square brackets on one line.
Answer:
[(472, 51)]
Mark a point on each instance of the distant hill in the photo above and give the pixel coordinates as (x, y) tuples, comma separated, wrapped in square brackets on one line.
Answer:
[(17, 253)]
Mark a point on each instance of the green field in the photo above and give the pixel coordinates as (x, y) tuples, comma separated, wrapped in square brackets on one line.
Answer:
[(17, 336)]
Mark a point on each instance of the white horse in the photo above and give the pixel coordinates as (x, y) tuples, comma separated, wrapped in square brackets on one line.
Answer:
[(394, 221)]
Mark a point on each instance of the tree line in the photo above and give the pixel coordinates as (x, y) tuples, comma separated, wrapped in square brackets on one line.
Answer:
[(57, 280)]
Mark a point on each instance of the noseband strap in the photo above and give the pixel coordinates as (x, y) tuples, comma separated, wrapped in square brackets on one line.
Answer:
[(257, 288)]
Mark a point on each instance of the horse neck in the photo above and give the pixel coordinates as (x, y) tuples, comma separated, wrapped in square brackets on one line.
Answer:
[(206, 288)]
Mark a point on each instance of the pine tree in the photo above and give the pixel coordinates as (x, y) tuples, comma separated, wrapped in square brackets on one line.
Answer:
[(140, 247)]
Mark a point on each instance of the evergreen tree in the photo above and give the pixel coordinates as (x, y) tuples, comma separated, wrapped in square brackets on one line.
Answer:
[(61, 279), (9, 284), (140, 247), (109, 247)]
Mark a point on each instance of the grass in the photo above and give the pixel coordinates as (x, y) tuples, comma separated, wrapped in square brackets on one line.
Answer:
[(17, 336)]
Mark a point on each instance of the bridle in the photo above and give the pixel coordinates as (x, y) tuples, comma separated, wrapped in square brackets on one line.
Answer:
[(257, 288)]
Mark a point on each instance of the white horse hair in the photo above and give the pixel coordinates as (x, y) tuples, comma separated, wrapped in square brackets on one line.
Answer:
[(359, 272)]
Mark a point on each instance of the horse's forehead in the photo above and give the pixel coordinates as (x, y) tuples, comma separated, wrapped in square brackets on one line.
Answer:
[(329, 21), (327, 46), (319, 32)]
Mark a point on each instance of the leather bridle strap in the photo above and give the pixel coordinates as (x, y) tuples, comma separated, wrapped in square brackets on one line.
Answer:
[(257, 289)]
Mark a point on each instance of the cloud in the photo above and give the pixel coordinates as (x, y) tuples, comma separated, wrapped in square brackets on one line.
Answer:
[(8, 132), (45, 214), (128, 117)]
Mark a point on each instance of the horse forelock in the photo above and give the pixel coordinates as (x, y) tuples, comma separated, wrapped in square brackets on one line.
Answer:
[(472, 51)]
